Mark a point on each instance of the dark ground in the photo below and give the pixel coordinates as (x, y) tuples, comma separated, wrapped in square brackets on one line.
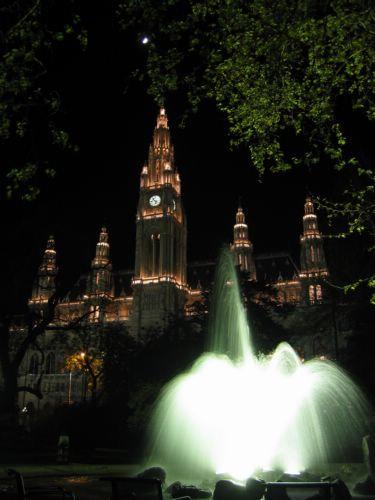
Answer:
[(83, 478)]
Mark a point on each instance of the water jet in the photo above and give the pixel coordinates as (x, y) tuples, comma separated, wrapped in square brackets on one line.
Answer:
[(235, 413)]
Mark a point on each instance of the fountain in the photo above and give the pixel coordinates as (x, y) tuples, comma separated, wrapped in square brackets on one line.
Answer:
[(235, 414)]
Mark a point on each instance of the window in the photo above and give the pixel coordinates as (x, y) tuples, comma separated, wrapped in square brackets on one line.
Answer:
[(312, 294), (95, 310), (33, 368), (155, 254), (312, 254), (50, 363), (319, 294)]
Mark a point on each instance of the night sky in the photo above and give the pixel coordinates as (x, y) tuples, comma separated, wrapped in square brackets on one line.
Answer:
[(112, 118)]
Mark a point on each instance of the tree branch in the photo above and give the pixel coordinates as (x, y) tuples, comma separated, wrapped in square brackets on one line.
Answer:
[(36, 392), (23, 19)]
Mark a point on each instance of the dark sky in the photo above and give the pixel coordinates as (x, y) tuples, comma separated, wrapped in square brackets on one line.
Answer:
[(111, 117)]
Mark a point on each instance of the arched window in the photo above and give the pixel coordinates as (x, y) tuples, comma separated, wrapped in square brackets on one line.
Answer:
[(319, 295), (33, 367), (312, 254), (95, 313), (311, 294), (50, 363), (155, 254)]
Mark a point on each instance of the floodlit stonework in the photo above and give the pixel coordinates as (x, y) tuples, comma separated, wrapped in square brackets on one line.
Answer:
[(162, 286)]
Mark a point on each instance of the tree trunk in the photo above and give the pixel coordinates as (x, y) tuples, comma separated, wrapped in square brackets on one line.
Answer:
[(9, 395), (93, 390)]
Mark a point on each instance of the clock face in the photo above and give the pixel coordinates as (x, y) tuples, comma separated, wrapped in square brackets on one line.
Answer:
[(155, 200)]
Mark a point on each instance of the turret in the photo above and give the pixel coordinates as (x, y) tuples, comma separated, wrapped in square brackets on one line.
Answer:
[(160, 169), (242, 246), (100, 280), (44, 284), (313, 262)]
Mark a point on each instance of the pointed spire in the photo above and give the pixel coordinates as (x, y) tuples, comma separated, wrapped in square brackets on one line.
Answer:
[(242, 246), (48, 264), (160, 168), (240, 228), (240, 217), (102, 250), (100, 279), (162, 119), (313, 262), (44, 284), (309, 206), (310, 220)]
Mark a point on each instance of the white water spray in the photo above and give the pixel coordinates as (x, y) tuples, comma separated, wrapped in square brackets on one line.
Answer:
[(234, 413)]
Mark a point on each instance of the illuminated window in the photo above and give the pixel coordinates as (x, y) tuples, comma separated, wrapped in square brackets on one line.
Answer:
[(155, 238), (319, 293), (312, 294), (50, 363), (95, 313), (312, 254), (33, 368)]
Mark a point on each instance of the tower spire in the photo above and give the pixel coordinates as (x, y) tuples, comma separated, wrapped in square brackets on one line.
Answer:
[(100, 281), (242, 246), (162, 119), (44, 284), (101, 258), (312, 257), (160, 258), (160, 169)]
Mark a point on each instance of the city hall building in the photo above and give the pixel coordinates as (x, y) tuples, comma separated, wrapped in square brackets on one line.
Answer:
[(162, 286)]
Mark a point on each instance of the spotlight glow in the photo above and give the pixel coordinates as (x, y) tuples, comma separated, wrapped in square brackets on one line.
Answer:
[(145, 40), (234, 413)]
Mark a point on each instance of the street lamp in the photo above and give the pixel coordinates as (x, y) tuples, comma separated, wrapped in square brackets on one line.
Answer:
[(83, 355)]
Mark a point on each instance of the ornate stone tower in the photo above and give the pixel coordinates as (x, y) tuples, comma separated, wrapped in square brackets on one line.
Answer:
[(100, 280), (44, 284), (99, 283), (160, 260), (313, 262), (242, 246)]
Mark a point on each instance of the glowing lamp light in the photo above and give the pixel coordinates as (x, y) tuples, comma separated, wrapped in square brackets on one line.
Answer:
[(145, 40)]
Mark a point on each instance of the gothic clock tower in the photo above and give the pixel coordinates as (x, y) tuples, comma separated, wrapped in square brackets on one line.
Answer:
[(160, 259)]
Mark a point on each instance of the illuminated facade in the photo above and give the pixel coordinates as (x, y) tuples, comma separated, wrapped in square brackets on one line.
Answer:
[(158, 289), (304, 286), (159, 281), (162, 286)]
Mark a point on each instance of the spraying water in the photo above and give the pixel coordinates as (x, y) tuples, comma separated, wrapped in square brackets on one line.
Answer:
[(234, 413)]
